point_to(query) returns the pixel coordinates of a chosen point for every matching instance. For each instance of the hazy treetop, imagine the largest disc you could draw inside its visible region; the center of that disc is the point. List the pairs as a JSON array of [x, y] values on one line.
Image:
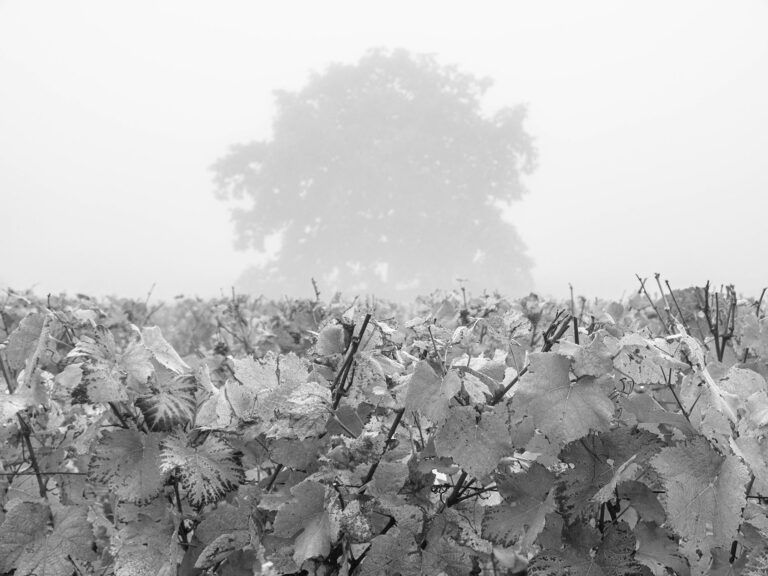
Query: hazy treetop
[[384, 176]]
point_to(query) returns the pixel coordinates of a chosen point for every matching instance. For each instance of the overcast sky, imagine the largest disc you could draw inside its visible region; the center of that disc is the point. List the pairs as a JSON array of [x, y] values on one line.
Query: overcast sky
[[651, 120]]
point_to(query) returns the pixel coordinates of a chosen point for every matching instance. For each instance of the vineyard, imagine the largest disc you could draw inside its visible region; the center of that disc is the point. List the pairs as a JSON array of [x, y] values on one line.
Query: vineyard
[[457, 435]]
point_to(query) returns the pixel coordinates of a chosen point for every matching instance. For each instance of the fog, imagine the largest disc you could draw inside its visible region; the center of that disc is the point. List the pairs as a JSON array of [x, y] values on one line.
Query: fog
[[649, 120]]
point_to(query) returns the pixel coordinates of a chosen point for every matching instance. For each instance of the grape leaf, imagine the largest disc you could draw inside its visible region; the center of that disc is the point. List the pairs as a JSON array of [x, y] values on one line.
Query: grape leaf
[[222, 547], [563, 410], [614, 556], [306, 514], [593, 461], [163, 352], [145, 547], [658, 549], [519, 522], [207, 471], [446, 551], [107, 375], [592, 359], [23, 340], [171, 401], [705, 492], [53, 553], [753, 449], [428, 394], [475, 443], [330, 340], [624, 472], [528, 498], [24, 524], [303, 414], [395, 552], [225, 518], [129, 463]]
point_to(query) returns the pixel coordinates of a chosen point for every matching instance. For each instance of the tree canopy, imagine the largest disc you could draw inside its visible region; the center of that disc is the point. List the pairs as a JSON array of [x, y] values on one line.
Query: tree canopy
[[385, 177]]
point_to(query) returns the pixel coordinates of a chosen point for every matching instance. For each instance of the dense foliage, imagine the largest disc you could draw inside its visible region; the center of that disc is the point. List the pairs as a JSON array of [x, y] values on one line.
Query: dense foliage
[[457, 436], [372, 165]]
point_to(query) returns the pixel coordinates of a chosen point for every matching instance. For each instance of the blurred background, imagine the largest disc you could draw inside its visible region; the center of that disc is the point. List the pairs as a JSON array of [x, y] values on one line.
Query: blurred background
[[636, 135]]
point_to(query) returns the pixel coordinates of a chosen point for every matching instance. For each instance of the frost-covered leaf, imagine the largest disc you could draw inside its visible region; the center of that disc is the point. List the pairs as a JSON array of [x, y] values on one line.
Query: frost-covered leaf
[[647, 410], [24, 524], [747, 394], [171, 401], [705, 492], [128, 461], [146, 547], [757, 564], [477, 390], [447, 550], [753, 449], [207, 471], [751, 333], [53, 553], [563, 410], [593, 462], [12, 404], [658, 549], [306, 518], [519, 522], [162, 351], [614, 556], [222, 547], [23, 340], [107, 375], [475, 443], [304, 413], [330, 340], [623, 473], [395, 552], [429, 394], [591, 359], [262, 388]]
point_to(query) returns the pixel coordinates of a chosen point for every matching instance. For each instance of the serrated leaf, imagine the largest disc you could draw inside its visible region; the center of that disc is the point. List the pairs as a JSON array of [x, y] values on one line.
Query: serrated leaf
[[23, 340], [306, 518], [658, 549], [475, 443], [519, 522], [705, 492], [108, 375], [753, 449], [428, 394], [145, 547], [128, 461], [304, 413], [331, 340], [222, 547], [592, 359], [207, 471], [592, 464], [53, 554], [162, 351], [563, 410], [24, 524], [171, 401], [614, 556], [623, 473], [395, 552]]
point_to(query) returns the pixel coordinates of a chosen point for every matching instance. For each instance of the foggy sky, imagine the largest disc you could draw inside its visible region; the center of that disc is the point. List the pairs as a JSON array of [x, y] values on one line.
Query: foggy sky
[[649, 118]]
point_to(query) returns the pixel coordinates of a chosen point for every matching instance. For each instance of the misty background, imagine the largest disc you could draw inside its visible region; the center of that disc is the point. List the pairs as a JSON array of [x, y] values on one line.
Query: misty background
[[649, 121]]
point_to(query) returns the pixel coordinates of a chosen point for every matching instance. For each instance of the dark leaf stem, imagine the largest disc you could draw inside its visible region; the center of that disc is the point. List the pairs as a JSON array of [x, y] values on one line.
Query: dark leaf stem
[[341, 378], [372, 470]]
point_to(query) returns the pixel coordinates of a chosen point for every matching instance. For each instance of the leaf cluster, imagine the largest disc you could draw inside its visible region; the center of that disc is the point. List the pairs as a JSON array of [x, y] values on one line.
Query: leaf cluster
[[460, 436]]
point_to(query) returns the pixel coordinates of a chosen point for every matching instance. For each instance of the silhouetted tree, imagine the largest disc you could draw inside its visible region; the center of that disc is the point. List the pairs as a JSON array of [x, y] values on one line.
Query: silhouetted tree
[[385, 177]]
